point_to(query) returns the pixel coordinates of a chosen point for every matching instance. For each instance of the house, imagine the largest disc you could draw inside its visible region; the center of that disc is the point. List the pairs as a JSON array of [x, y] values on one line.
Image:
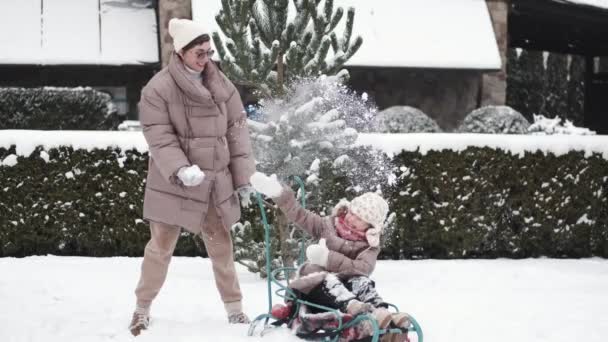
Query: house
[[446, 57], [450, 57], [440, 56], [110, 45]]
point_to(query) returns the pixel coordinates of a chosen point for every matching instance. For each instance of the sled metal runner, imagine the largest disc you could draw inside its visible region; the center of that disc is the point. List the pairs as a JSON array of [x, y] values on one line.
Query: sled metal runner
[[267, 319]]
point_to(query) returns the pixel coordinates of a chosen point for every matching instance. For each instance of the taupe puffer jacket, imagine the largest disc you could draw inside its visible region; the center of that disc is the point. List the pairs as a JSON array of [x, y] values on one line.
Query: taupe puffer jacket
[[184, 123]]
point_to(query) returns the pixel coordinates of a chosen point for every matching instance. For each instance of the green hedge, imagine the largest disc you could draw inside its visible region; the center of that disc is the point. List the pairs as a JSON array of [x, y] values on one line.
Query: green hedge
[[478, 203], [79, 203], [56, 108], [495, 204]]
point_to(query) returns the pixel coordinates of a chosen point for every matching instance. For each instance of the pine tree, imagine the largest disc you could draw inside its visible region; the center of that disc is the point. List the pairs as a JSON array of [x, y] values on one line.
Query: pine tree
[[249, 250], [298, 131], [556, 90], [515, 85], [265, 49], [300, 135], [533, 82], [303, 118], [576, 91]]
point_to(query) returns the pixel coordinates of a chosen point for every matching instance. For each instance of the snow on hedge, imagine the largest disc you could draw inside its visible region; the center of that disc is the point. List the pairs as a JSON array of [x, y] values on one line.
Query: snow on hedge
[[515, 143], [27, 140]]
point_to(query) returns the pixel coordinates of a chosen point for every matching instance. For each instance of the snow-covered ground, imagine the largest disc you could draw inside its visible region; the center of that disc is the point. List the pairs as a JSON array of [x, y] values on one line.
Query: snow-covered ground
[[64, 299]]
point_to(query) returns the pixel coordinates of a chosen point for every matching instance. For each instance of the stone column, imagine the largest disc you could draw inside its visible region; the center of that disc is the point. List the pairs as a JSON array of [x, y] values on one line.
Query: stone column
[[494, 84], [168, 9]]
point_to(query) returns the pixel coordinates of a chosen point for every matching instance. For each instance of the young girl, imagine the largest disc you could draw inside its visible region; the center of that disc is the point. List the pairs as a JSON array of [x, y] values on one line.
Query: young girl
[[338, 268]]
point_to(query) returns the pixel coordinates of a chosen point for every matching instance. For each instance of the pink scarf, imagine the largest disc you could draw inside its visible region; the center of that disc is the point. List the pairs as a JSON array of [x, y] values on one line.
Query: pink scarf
[[348, 233]]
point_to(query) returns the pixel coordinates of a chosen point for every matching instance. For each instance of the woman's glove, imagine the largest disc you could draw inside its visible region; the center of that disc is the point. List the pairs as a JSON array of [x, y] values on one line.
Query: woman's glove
[[245, 192], [190, 175], [318, 253], [269, 186]]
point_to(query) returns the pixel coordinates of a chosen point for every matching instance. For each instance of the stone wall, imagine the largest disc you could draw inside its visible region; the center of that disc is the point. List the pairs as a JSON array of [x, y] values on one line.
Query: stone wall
[[494, 84], [168, 9]]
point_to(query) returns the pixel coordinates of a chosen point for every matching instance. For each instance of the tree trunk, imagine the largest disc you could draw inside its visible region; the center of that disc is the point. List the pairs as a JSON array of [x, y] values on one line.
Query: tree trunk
[[280, 73], [287, 255], [168, 9]]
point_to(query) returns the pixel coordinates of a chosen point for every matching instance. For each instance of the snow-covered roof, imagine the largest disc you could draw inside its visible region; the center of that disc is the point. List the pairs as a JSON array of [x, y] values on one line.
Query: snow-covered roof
[[594, 3], [456, 34], [424, 33], [110, 32]]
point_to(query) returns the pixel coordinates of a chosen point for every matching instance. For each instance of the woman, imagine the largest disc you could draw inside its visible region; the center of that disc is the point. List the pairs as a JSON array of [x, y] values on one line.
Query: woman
[[200, 157]]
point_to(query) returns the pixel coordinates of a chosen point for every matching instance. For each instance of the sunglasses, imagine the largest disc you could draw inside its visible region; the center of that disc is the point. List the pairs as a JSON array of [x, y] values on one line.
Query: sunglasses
[[200, 55]]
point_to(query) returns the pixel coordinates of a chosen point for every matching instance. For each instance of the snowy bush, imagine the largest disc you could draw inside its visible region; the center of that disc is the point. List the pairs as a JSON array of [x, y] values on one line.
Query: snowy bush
[[404, 119], [546, 126], [494, 119], [75, 202], [52, 108]]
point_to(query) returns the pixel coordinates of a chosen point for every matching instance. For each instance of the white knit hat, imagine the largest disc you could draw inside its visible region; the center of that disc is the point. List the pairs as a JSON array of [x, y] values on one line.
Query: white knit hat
[[371, 208], [183, 31]]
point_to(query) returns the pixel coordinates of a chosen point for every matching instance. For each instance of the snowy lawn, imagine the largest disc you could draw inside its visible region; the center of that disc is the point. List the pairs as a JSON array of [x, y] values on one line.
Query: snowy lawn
[[61, 299]]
